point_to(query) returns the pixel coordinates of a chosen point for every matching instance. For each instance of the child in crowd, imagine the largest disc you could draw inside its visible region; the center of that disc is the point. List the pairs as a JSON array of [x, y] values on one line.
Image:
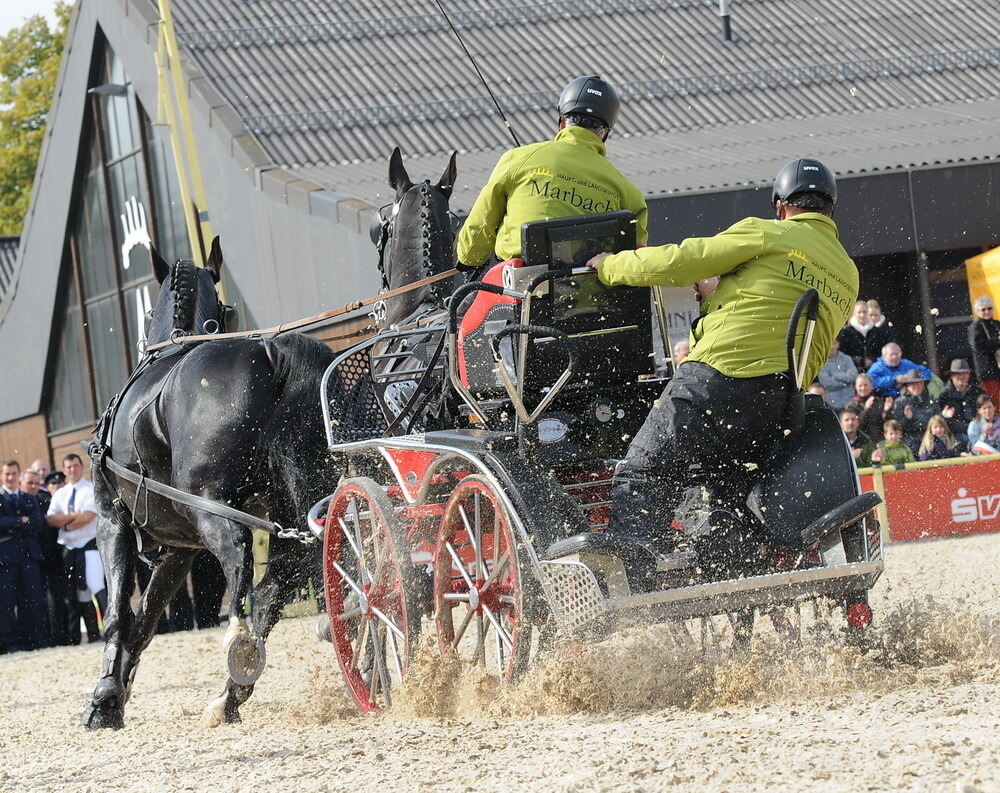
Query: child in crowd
[[939, 443], [875, 409], [984, 430], [892, 451]]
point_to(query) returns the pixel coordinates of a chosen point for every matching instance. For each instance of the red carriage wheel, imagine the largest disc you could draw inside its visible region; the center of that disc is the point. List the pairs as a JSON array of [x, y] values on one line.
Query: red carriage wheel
[[481, 605], [374, 617]]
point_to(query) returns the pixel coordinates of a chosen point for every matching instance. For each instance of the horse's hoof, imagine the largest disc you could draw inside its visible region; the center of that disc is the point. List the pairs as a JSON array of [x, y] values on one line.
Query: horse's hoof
[[323, 628], [214, 713], [246, 659], [107, 707], [106, 716]]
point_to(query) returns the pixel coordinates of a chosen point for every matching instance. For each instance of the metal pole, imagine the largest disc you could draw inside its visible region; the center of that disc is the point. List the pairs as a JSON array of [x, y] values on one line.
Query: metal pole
[[929, 325], [727, 30], [173, 99], [923, 286]]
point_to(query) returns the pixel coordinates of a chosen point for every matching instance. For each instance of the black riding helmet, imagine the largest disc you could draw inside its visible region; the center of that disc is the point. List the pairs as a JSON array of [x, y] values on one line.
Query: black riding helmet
[[804, 175], [591, 96]]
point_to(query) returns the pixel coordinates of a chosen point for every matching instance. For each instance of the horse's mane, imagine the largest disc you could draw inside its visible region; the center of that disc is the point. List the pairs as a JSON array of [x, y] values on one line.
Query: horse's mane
[[184, 286]]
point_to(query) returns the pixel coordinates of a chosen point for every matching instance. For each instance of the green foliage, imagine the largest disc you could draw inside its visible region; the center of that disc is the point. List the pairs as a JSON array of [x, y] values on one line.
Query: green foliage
[[29, 63]]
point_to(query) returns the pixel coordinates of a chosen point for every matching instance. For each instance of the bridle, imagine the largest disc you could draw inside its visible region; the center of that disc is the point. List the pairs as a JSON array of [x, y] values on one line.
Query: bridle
[[382, 229], [228, 316]]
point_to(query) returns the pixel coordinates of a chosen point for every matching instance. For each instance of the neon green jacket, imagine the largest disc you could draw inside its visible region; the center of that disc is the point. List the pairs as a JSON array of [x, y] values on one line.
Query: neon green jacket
[[764, 267], [559, 178]]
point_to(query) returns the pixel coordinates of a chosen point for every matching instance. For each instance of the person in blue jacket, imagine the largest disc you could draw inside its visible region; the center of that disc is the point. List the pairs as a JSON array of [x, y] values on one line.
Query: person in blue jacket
[[889, 371], [23, 609]]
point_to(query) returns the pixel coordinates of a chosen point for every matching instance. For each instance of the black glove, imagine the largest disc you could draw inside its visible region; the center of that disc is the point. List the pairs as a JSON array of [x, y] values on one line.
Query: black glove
[[466, 268]]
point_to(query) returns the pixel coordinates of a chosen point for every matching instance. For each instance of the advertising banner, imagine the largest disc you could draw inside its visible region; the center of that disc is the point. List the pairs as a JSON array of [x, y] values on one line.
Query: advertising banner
[[942, 501]]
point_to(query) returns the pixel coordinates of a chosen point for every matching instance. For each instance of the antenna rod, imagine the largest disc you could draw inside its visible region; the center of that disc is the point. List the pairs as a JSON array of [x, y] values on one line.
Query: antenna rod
[[475, 66]]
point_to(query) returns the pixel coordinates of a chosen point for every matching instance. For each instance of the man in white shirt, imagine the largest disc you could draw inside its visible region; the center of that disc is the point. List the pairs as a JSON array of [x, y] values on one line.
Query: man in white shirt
[[74, 512]]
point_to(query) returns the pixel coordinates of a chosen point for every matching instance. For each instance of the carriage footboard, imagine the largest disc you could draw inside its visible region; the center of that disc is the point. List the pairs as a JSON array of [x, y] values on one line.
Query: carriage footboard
[[576, 598]]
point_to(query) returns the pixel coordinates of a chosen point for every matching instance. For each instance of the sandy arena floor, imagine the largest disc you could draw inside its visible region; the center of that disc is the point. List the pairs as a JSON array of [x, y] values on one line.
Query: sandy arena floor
[[922, 714]]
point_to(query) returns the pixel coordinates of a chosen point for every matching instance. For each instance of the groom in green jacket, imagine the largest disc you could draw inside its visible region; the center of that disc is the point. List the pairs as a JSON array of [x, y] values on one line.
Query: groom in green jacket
[[723, 411]]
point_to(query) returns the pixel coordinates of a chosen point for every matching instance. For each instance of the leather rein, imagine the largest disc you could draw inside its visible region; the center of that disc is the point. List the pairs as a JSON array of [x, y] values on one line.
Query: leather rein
[[286, 327]]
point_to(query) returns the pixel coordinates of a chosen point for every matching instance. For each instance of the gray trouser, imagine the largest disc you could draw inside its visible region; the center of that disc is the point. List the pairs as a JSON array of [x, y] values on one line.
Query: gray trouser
[[706, 429]]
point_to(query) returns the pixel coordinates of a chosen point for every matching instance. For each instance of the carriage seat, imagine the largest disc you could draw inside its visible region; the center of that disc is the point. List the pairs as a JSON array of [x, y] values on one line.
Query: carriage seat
[[475, 359]]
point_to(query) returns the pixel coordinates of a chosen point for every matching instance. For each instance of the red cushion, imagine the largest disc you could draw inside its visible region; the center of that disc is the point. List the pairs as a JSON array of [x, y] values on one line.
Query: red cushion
[[480, 309]]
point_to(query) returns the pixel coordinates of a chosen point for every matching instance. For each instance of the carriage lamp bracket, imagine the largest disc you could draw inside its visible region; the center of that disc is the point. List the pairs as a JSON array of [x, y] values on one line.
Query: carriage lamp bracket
[[454, 303], [539, 331]]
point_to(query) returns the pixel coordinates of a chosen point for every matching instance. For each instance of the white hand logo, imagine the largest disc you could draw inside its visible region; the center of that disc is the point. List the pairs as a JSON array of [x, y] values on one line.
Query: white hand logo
[[136, 231]]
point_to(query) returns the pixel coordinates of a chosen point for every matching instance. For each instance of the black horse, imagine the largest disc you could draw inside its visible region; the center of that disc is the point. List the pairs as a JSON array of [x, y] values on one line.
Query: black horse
[[233, 420], [416, 239]]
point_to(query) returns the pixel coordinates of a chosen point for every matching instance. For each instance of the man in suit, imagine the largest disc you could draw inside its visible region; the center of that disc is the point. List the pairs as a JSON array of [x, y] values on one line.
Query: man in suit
[[52, 561], [23, 611]]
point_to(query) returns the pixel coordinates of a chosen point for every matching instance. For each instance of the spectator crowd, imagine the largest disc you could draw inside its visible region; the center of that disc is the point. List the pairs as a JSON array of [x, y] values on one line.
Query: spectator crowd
[[52, 583], [894, 410]]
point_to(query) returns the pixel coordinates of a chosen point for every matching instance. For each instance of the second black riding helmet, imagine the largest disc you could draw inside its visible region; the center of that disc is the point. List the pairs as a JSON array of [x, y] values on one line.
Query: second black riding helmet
[[804, 175], [591, 96]]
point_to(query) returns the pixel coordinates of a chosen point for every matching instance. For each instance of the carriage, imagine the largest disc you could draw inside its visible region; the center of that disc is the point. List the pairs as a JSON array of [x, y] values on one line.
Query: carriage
[[491, 531]]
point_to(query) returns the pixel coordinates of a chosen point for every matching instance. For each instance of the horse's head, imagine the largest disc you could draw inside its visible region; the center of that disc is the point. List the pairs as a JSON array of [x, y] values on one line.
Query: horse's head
[[188, 303], [415, 235]]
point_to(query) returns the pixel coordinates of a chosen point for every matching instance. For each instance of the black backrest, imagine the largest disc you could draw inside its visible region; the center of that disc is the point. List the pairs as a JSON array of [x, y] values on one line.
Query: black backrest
[[611, 326]]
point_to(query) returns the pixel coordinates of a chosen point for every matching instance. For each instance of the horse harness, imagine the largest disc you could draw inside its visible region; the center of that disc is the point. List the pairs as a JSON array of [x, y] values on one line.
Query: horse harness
[[100, 454]]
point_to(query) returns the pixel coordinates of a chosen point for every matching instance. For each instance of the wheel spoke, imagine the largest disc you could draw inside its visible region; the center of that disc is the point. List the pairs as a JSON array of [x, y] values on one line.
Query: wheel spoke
[[466, 621], [480, 640], [347, 535], [359, 646], [380, 667], [395, 655], [348, 579], [472, 530], [388, 622], [498, 628], [497, 569], [458, 562], [500, 662]]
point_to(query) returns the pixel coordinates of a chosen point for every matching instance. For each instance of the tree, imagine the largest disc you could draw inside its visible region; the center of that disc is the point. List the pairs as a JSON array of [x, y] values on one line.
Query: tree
[[29, 63]]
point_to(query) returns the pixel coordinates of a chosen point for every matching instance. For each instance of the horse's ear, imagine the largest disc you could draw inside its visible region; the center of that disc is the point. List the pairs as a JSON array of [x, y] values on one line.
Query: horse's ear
[[447, 181], [214, 263], [160, 268], [399, 179]]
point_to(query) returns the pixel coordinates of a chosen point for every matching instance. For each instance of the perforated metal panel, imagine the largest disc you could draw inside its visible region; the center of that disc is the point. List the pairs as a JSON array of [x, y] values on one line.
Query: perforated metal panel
[[573, 593]]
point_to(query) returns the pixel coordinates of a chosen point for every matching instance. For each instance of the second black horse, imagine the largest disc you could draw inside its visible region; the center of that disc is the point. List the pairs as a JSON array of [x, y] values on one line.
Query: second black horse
[[234, 420]]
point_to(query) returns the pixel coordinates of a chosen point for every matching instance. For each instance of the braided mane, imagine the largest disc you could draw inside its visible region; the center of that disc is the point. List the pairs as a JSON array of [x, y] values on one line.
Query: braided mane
[[184, 287]]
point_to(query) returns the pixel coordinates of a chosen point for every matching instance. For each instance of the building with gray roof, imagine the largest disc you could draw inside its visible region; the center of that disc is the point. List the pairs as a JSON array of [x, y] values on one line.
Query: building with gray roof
[[272, 121]]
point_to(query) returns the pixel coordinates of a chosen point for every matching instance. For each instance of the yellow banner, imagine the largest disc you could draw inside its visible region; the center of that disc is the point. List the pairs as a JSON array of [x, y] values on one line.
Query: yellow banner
[[983, 273]]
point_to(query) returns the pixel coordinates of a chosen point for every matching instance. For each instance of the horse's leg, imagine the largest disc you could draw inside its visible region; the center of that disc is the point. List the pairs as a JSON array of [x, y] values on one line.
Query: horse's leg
[[118, 551], [285, 573], [169, 572], [232, 545]]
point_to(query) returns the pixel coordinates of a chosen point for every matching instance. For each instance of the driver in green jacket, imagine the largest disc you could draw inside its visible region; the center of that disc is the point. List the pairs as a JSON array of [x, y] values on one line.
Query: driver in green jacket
[[563, 177], [727, 405]]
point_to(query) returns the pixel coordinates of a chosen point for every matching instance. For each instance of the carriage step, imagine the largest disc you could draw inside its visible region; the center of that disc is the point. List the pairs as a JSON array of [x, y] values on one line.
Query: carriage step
[[636, 560], [839, 517]]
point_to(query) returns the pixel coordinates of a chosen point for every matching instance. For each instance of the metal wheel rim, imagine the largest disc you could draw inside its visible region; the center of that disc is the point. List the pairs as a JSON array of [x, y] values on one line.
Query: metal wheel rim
[[485, 630], [371, 639]]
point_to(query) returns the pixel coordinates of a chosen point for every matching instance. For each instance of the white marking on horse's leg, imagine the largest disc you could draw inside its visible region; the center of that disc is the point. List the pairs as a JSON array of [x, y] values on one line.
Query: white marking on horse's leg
[[236, 627], [214, 714]]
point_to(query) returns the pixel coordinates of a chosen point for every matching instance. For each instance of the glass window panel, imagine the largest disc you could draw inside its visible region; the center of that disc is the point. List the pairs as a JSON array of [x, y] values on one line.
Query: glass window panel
[[107, 347], [128, 182], [171, 236], [121, 131], [94, 233], [70, 402]]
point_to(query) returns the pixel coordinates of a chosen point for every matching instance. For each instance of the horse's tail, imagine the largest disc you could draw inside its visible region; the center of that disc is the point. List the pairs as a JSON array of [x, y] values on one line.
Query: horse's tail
[[300, 466]]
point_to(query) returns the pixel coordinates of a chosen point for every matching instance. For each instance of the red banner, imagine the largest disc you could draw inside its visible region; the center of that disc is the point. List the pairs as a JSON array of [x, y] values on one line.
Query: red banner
[[940, 502]]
